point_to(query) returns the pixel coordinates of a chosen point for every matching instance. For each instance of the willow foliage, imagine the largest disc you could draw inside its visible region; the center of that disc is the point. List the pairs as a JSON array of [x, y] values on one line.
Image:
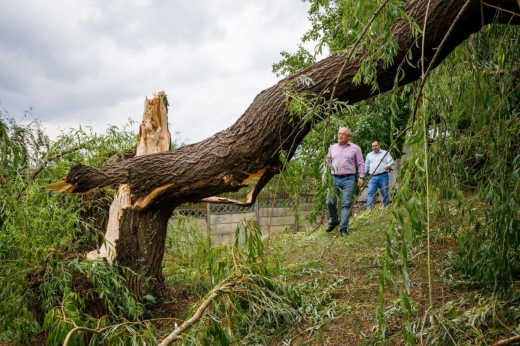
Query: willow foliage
[[463, 159], [469, 123], [39, 231], [471, 114], [475, 120]]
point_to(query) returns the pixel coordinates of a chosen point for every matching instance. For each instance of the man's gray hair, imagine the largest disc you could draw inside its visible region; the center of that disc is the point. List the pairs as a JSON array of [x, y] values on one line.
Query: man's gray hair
[[349, 131]]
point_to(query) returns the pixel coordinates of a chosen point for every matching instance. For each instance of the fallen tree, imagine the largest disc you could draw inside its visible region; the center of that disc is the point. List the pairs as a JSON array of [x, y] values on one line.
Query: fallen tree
[[251, 148]]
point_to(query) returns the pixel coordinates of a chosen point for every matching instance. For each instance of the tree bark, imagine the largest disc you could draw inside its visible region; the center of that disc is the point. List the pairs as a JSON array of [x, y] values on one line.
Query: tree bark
[[252, 146], [134, 249], [140, 247], [154, 137]]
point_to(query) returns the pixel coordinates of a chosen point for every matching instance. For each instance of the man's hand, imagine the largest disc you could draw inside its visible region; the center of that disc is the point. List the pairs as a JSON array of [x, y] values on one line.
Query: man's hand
[[360, 182]]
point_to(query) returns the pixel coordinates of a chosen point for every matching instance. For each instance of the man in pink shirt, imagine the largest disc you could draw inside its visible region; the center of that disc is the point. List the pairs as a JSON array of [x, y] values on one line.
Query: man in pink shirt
[[344, 159]]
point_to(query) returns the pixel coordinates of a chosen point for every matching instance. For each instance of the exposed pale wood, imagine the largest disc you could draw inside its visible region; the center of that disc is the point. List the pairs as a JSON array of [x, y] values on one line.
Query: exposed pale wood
[[107, 250], [222, 200], [142, 202], [60, 187], [154, 137]]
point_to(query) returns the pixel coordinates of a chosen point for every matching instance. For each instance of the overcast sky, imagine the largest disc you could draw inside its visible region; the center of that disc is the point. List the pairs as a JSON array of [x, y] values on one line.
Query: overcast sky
[[93, 62]]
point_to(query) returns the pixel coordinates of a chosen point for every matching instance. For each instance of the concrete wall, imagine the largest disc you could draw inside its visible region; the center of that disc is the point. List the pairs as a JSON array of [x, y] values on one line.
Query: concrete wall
[[271, 219], [224, 225], [274, 220]]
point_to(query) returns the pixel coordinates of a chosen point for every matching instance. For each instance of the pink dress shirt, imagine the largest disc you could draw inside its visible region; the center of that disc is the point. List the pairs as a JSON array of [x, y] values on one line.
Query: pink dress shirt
[[345, 159]]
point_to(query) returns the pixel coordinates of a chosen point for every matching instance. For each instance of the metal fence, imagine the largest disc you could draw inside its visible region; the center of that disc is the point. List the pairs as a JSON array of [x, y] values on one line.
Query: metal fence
[[202, 210]]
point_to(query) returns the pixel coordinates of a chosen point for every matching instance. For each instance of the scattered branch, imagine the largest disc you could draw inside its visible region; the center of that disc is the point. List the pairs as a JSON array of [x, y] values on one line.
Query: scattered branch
[[77, 329], [502, 9], [50, 158], [175, 335], [501, 72], [511, 339]]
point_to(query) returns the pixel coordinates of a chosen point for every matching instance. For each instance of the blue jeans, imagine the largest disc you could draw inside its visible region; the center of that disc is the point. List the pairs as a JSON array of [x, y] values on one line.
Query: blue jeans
[[345, 188], [378, 182]]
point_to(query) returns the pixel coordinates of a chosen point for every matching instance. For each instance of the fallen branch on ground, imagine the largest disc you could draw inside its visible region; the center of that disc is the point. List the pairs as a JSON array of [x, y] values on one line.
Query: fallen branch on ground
[[175, 335], [506, 341]]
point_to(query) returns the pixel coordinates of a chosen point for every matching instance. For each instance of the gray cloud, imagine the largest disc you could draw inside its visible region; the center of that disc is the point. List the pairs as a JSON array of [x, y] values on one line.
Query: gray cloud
[[92, 63]]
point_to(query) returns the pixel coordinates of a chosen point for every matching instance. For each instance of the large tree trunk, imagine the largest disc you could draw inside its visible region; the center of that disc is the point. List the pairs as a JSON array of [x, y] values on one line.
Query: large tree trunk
[[251, 147], [133, 248], [140, 246], [154, 137]]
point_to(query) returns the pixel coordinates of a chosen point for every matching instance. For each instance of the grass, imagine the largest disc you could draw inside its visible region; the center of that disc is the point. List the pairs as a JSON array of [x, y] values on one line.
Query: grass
[[338, 281], [349, 267]]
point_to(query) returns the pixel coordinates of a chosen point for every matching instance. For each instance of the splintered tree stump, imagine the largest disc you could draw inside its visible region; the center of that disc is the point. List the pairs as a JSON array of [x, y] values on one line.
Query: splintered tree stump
[[154, 137]]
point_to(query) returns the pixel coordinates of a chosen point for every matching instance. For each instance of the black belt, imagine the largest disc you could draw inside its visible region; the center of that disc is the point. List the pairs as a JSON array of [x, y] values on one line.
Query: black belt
[[344, 175], [378, 174]]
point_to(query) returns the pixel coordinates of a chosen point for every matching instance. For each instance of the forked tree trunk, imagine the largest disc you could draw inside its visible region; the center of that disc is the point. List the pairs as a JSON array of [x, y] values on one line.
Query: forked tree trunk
[[132, 245], [251, 147], [154, 137]]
